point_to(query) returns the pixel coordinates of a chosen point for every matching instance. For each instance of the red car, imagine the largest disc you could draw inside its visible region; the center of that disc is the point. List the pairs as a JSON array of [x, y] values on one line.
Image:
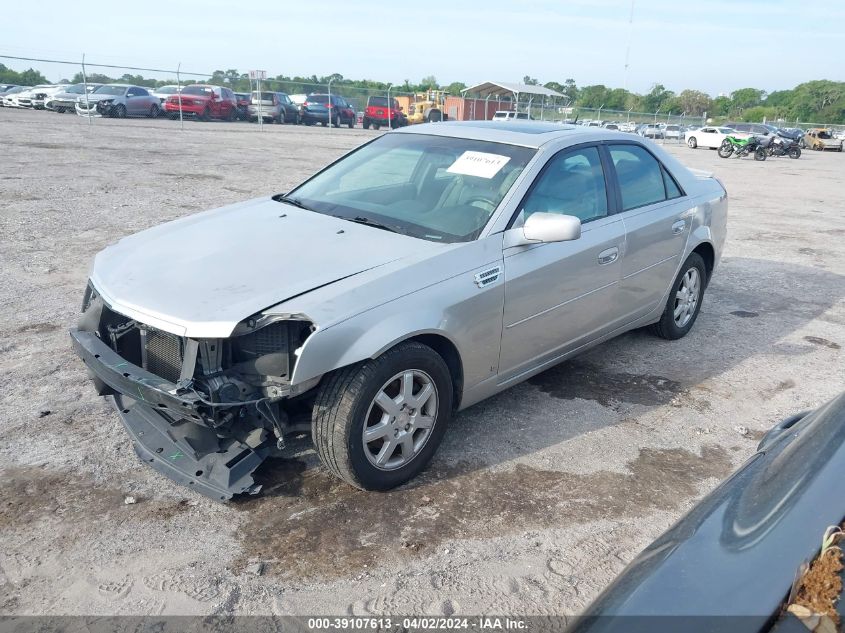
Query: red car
[[378, 114], [203, 102]]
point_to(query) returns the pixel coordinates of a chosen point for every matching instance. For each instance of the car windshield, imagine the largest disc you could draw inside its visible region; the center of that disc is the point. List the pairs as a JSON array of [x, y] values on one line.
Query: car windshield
[[110, 90], [435, 188], [824, 134], [75, 89], [197, 90], [166, 90]]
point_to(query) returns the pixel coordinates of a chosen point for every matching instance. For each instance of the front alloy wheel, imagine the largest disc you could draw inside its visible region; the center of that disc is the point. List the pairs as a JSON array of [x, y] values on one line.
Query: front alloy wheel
[[377, 424], [400, 419]]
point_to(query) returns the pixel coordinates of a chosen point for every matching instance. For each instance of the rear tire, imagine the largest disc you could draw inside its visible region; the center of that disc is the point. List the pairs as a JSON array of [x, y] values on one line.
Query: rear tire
[[682, 306], [794, 152], [760, 153], [692, 142], [348, 402]]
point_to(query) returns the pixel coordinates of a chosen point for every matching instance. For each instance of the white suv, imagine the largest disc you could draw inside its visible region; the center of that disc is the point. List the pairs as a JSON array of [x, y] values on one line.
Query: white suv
[[510, 115]]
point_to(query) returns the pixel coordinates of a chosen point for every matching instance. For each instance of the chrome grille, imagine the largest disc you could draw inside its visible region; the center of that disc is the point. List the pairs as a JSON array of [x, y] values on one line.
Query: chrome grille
[[164, 354]]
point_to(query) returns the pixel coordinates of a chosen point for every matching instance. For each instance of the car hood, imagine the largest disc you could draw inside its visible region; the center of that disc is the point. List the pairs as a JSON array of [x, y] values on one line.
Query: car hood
[[201, 275]]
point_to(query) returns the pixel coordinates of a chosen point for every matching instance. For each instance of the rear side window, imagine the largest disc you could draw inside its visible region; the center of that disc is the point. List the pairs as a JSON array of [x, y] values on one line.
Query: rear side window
[[672, 189], [640, 176]]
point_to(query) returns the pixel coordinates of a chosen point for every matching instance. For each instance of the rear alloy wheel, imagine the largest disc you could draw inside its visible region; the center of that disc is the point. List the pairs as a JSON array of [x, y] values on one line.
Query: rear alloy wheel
[[684, 300], [692, 142], [377, 424]]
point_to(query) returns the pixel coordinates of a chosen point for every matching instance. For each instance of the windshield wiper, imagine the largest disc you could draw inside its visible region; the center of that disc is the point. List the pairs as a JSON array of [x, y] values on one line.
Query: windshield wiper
[[362, 220], [294, 201]]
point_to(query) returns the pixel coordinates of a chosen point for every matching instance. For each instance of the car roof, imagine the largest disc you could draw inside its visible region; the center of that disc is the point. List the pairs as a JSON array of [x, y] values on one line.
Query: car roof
[[525, 133]]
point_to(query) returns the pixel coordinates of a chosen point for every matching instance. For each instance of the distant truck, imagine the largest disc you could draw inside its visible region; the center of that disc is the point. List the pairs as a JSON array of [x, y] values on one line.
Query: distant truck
[[425, 107]]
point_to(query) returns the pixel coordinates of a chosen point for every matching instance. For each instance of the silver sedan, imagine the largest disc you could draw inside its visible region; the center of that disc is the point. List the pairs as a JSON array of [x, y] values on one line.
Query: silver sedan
[[423, 272]]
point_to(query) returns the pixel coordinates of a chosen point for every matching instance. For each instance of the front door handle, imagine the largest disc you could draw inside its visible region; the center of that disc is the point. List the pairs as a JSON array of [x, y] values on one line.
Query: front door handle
[[678, 227], [608, 256]]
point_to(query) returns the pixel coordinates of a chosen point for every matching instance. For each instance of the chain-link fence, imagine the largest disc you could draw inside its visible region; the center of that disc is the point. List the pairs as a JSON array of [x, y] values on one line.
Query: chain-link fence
[[454, 107], [89, 74]]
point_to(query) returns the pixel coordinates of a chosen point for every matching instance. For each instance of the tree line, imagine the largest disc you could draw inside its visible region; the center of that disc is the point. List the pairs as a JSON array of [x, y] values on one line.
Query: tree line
[[818, 100]]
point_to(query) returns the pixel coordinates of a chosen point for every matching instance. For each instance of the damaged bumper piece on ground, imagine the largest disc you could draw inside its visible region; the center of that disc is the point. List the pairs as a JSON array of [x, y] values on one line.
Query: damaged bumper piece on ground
[[196, 410]]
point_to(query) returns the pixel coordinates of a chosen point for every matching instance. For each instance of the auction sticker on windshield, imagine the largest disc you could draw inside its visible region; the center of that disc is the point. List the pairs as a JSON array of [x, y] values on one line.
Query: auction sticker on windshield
[[479, 164]]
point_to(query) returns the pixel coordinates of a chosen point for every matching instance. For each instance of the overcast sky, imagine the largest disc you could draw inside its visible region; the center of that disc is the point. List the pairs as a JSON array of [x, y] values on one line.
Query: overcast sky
[[716, 46]]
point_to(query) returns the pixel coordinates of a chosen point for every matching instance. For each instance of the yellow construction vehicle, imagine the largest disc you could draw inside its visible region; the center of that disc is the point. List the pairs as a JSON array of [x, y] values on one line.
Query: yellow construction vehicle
[[427, 107]]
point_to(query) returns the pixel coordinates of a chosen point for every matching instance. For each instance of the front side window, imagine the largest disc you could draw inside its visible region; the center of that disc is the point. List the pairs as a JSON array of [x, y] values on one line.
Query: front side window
[[639, 174], [440, 189], [572, 183]]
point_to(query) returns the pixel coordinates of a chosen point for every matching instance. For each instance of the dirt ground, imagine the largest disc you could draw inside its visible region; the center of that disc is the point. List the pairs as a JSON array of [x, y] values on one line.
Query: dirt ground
[[537, 497]]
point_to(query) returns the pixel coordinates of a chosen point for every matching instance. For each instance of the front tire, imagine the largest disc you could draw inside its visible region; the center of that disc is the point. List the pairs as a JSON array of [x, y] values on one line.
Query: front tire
[[760, 153], [118, 111], [684, 302], [794, 152], [377, 424], [725, 150]]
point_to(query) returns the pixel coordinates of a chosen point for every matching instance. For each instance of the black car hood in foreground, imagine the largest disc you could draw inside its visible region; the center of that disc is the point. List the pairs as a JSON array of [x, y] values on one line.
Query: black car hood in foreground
[[729, 563]]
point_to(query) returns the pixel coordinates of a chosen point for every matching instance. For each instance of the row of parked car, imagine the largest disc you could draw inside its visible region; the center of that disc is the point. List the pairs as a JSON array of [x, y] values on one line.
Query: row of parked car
[[203, 102], [712, 136]]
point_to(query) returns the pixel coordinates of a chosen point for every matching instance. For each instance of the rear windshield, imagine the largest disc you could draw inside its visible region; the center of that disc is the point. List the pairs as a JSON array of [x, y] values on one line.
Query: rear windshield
[[197, 90], [166, 90], [379, 102], [318, 98], [265, 96]]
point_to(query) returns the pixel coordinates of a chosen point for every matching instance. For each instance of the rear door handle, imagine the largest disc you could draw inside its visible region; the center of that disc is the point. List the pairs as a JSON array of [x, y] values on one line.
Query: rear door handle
[[678, 227], [608, 256]]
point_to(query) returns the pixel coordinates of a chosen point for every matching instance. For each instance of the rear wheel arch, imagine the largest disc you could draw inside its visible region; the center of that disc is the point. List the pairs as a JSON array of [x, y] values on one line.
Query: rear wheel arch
[[706, 251]]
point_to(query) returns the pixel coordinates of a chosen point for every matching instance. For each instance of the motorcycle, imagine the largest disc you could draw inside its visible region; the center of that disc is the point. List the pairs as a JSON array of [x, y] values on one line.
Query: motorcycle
[[740, 147], [781, 146]]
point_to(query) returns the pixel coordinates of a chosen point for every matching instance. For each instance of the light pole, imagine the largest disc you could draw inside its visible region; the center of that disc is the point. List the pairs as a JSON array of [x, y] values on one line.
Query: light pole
[[331, 79], [389, 104]]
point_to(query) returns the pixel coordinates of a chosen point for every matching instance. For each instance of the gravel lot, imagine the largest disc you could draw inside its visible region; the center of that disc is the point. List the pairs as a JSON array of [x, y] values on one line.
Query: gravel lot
[[537, 498]]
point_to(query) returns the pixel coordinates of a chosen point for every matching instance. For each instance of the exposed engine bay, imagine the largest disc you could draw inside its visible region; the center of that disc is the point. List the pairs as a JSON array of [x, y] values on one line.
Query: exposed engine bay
[[235, 393]]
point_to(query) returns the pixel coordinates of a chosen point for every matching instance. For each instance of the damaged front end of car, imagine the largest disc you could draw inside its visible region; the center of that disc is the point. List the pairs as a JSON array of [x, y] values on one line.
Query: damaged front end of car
[[204, 412]]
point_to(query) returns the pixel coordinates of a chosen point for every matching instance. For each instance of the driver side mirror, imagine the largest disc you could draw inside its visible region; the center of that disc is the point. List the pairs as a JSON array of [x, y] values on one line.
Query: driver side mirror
[[545, 227]]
